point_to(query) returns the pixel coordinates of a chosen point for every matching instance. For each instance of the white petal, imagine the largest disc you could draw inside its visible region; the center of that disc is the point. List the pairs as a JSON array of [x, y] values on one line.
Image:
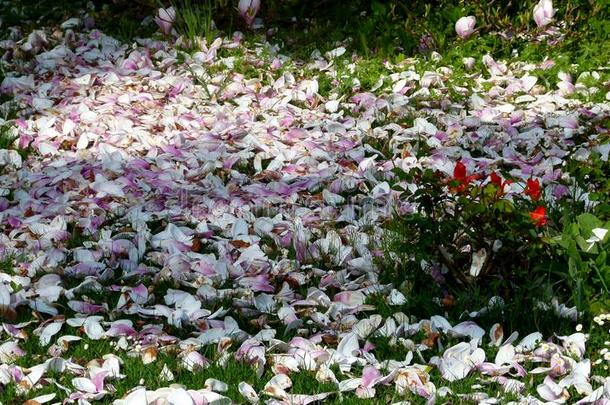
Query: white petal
[[93, 329], [600, 233], [396, 298], [43, 398], [84, 385], [529, 342], [349, 384], [166, 374], [348, 345], [179, 397], [248, 392], [478, 260], [48, 332], [215, 385], [5, 296], [505, 355]]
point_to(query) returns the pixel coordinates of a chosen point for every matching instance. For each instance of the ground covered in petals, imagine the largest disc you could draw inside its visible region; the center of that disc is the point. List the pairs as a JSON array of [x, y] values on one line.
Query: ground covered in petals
[[213, 226]]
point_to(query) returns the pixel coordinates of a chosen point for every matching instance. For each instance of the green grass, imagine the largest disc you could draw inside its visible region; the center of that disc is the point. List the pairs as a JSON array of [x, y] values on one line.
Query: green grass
[[139, 374], [7, 138], [234, 372], [122, 20], [31, 14], [7, 264], [194, 21]]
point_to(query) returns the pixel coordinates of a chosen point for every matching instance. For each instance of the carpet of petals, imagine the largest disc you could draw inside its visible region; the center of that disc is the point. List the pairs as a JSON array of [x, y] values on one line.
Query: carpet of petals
[[173, 205]]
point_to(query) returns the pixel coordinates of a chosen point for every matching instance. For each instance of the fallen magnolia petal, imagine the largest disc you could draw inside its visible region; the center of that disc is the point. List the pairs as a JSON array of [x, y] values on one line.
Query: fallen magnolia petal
[[578, 377], [149, 355], [281, 380], [9, 351], [366, 327], [496, 334], [85, 385], [457, 361], [179, 396], [396, 298], [10, 158], [550, 391], [529, 342], [349, 385], [574, 344], [510, 385], [414, 380], [600, 394], [135, 397], [215, 385], [325, 374], [48, 332], [468, 329], [193, 361], [304, 399], [248, 392], [42, 399], [166, 374], [478, 260]]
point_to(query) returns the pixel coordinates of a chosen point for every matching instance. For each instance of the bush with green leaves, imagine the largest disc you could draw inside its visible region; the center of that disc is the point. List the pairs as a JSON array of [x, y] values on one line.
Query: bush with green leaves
[[472, 231], [465, 231], [584, 244]]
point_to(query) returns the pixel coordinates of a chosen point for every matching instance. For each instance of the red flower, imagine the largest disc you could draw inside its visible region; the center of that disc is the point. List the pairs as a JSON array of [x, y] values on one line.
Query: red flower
[[496, 180], [538, 216], [459, 174], [532, 189]]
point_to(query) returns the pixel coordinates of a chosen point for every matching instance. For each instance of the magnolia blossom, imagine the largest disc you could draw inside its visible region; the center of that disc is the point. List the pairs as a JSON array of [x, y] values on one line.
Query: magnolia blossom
[[248, 9], [165, 19], [543, 13], [464, 27]]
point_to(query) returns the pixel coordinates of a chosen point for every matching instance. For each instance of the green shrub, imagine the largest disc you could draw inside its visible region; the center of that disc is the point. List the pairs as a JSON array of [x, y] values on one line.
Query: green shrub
[[464, 232], [584, 244]]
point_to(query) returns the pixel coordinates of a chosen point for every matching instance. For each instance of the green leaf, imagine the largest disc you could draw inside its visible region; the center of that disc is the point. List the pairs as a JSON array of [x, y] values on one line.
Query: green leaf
[[587, 222], [504, 206], [582, 243], [579, 295], [601, 259], [573, 229], [573, 267]]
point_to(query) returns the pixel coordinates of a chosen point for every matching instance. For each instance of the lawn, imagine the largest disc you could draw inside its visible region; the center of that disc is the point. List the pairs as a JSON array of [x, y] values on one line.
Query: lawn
[[340, 202]]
